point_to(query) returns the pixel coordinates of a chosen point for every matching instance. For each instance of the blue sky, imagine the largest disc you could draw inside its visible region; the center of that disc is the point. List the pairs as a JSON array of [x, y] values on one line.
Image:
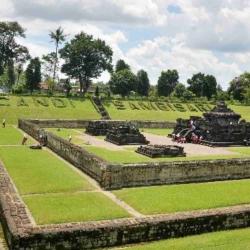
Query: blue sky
[[191, 36]]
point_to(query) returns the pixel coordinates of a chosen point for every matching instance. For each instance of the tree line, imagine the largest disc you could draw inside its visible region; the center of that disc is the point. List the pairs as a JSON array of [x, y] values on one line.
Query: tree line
[[85, 58]]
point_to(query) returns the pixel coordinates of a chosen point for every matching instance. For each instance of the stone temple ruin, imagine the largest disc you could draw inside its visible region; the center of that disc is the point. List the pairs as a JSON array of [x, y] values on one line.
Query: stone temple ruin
[[219, 127], [157, 151], [125, 134], [97, 128]]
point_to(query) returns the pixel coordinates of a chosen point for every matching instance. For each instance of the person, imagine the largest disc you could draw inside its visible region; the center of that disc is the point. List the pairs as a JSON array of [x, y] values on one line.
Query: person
[[25, 138], [4, 123], [70, 138]]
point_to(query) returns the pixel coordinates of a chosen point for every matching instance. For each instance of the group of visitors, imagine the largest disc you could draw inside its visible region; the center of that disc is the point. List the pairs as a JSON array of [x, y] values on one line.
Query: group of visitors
[[194, 138]]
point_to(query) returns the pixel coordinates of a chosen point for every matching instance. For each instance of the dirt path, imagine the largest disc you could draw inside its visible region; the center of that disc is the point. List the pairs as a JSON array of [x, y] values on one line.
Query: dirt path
[[189, 148]]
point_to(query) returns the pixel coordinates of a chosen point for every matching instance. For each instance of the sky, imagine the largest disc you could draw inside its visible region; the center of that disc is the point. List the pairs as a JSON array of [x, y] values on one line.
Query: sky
[[208, 36]]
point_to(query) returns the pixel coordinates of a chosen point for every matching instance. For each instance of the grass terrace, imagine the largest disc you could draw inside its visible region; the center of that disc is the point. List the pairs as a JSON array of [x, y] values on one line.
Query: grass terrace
[[14, 107], [225, 240], [186, 197], [12, 136], [46, 181], [160, 111]]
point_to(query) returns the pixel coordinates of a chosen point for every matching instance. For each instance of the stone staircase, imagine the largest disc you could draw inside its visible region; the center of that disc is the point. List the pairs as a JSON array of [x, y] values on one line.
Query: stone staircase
[[3, 245], [100, 108]]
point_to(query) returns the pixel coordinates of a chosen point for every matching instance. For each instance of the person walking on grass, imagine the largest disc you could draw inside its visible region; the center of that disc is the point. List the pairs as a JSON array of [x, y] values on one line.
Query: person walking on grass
[[25, 138], [4, 123]]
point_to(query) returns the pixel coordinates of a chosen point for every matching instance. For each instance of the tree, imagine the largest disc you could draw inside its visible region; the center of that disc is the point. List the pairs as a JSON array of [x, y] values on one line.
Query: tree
[[10, 51], [48, 62], [67, 87], [97, 91], [11, 73], [33, 74], [167, 82], [202, 85], [239, 85], [58, 37], [123, 82], [143, 84], [179, 90], [86, 58], [121, 65]]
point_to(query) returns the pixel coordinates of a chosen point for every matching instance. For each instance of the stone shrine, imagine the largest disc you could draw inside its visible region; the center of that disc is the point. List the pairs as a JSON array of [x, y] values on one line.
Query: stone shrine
[[125, 134], [157, 151], [219, 127]]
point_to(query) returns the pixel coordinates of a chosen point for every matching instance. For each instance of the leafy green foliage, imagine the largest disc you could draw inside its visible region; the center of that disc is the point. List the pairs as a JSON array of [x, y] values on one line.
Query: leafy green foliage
[[33, 74], [203, 85], [167, 82], [86, 58], [121, 65], [123, 82], [143, 85]]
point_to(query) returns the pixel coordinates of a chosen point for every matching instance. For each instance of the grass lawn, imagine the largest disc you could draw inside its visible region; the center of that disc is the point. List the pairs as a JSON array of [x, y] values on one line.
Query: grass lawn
[[65, 133], [186, 197], [12, 136], [73, 109], [157, 131], [159, 115], [54, 192], [225, 240], [38, 171], [129, 156], [72, 207]]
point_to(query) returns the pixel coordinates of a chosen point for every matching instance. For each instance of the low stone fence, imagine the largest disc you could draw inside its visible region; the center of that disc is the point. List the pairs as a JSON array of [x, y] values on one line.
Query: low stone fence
[[159, 173], [48, 123]]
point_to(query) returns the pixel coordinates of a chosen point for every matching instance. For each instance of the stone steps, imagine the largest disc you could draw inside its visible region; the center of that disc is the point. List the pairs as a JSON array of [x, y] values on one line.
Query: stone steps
[[3, 245]]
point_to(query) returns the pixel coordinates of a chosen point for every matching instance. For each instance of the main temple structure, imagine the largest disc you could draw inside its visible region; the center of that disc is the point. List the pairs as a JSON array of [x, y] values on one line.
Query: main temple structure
[[219, 127]]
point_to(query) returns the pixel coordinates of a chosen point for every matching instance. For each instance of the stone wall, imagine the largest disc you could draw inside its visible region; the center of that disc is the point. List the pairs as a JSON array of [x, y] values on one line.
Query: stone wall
[[132, 175], [45, 123], [22, 234], [79, 157]]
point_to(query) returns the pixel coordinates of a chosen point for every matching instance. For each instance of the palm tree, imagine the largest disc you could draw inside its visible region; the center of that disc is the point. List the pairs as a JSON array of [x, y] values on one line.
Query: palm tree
[[57, 37]]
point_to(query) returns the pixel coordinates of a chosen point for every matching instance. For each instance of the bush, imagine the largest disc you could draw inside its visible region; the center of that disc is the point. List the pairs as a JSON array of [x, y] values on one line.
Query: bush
[[21, 102], [58, 102]]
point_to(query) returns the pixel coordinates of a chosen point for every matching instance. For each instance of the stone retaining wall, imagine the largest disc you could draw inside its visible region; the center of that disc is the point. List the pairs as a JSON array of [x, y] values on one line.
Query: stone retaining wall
[[83, 123], [21, 234], [158, 173]]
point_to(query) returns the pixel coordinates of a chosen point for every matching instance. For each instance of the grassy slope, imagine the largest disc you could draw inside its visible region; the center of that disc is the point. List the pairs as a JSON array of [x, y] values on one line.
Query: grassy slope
[[37, 171], [186, 197], [129, 114], [81, 109], [10, 135], [226, 240]]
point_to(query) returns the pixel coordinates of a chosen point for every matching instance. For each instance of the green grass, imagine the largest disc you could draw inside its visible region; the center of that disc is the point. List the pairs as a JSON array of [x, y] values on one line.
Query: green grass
[[186, 197], [225, 240], [75, 109], [38, 171], [12, 136], [53, 191], [129, 156], [65, 133], [129, 114], [55, 208], [157, 131]]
